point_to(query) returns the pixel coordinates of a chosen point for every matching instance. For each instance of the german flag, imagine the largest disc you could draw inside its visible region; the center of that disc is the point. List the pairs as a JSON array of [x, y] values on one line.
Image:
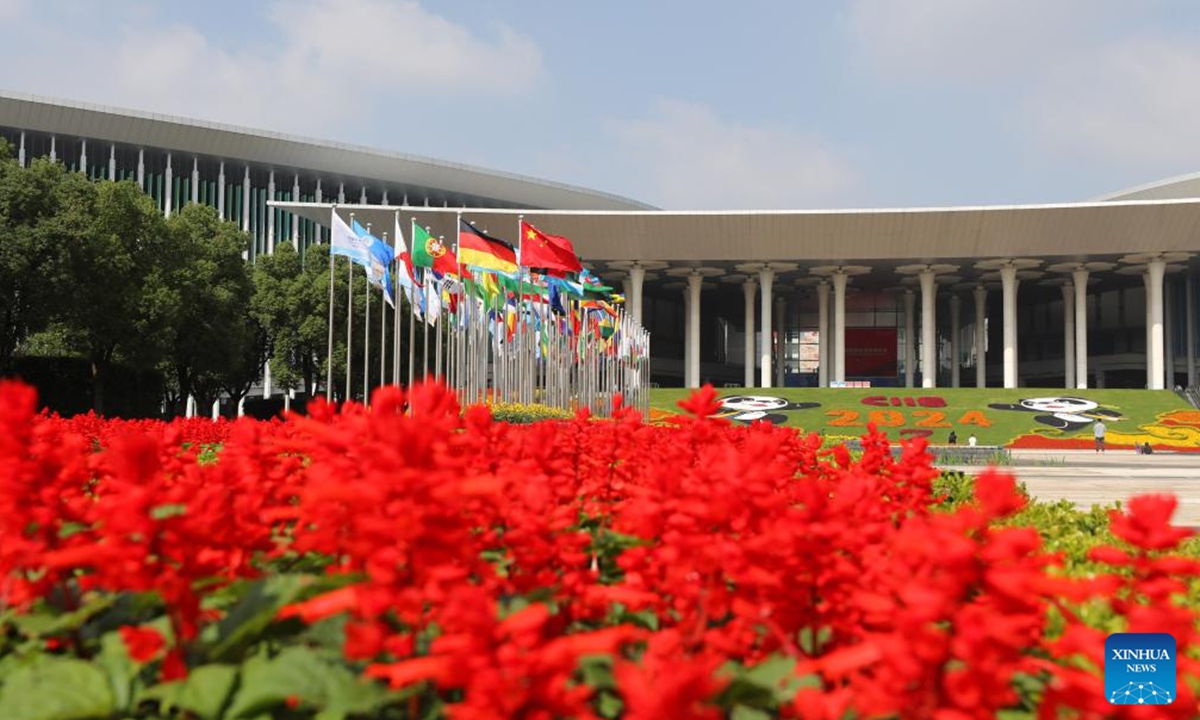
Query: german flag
[[478, 250]]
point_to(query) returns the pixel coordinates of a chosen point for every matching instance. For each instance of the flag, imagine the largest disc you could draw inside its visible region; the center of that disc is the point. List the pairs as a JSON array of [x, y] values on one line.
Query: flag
[[477, 250], [429, 252], [551, 252], [347, 243]]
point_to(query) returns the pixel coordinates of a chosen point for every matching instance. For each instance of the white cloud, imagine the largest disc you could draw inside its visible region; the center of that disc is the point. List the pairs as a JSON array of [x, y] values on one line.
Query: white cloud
[[1136, 106], [326, 63], [683, 155]]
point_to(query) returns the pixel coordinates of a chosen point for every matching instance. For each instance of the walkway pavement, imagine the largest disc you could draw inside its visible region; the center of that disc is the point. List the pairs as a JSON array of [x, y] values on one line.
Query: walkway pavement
[[1086, 477]]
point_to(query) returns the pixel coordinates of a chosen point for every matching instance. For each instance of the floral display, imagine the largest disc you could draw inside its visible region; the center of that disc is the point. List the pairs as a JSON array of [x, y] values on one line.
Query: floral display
[[420, 560]]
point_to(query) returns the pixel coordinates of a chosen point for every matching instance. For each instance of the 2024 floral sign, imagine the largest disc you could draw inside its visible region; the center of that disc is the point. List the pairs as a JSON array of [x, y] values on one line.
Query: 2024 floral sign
[[416, 561]]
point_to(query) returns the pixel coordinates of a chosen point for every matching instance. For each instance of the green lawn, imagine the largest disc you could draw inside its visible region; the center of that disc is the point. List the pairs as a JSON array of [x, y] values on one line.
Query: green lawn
[[1159, 417]]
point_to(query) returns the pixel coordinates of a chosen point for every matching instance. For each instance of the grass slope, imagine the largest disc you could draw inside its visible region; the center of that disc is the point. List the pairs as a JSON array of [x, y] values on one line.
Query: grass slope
[[1160, 417]]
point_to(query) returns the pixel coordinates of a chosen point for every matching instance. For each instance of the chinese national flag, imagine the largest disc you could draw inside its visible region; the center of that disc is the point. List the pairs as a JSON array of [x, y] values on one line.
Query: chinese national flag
[[554, 253]]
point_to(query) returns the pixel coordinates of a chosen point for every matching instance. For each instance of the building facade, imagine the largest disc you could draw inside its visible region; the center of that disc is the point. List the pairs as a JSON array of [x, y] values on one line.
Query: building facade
[[1089, 294]]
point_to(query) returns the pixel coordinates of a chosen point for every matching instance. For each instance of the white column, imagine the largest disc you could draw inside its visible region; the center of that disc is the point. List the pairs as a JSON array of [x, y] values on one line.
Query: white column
[[694, 282], [189, 407], [21, 150], [221, 190], [384, 200], [627, 288], [955, 319], [216, 410], [929, 361], [687, 337], [1155, 272], [1168, 336], [83, 168], [1149, 342], [241, 408], [1068, 299], [1080, 278], [980, 337], [823, 337], [168, 191], [839, 326], [780, 332], [271, 214], [362, 198], [141, 170], [910, 337], [53, 150], [637, 275], [296, 218], [246, 201], [1008, 280], [342, 194], [766, 278], [749, 288], [195, 181], [1190, 319], [112, 162], [267, 390]]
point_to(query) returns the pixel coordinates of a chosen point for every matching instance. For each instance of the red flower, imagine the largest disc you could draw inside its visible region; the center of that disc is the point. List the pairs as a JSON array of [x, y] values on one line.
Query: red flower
[[1147, 524], [142, 643]]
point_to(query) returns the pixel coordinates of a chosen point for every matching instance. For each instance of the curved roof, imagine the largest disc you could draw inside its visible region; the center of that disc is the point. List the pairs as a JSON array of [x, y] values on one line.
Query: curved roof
[[271, 149], [1182, 186], [1070, 231]]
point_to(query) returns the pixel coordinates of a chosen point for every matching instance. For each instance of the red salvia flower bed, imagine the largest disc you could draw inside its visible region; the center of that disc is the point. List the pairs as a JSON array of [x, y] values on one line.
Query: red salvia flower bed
[[577, 568]]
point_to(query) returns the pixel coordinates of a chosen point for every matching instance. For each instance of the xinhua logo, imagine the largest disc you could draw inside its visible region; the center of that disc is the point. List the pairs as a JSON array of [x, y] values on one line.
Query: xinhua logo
[[1139, 669]]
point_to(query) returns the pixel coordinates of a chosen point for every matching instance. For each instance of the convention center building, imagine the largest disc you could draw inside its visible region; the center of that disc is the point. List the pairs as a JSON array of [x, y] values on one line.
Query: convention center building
[[1097, 293]]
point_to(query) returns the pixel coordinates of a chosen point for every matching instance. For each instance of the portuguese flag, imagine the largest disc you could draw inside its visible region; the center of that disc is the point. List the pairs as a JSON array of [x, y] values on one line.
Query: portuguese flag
[[429, 252], [477, 250]]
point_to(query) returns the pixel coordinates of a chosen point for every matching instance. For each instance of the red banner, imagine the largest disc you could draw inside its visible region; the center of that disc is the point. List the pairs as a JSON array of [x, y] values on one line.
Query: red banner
[[871, 352]]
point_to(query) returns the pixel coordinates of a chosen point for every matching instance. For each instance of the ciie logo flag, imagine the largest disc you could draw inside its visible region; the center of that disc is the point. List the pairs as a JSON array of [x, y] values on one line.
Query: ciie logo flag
[[1139, 668]]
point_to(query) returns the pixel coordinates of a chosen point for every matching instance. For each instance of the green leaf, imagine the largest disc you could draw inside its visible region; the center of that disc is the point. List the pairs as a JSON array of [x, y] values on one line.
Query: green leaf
[[204, 693], [299, 673], [45, 623], [53, 688], [119, 668], [162, 512], [741, 712], [254, 614], [766, 685]]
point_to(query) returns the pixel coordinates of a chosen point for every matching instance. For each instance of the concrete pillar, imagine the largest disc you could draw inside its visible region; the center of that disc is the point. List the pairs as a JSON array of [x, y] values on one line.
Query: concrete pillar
[[189, 407], [246, 201], [780, 334], [955, 326], [1155, 270], [53, 149], [1149, 342], [980, 337], [168, 190], [342, 194], [216, 410], [21, 150], [295, 218], [910, 337], [221, 190], [1068, 300], [141, 169], [687, 338], [766, 278], [83, 168], [195, 181], [749, 288], [112, 162], [839, 326], [1190, 319], [1008, 280], [362, 198], [637, 276], [929, 362], [823, 338], [267, 389], [271, 216], [384, 199], [1080, 278], [1168, 336]]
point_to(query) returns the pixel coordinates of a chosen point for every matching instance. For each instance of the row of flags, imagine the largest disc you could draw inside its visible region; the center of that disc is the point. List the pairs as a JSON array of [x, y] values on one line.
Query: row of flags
[[508, 281]]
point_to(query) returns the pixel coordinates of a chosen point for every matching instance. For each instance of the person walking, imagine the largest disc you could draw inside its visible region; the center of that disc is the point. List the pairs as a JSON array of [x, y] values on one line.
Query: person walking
[[1098, 431]]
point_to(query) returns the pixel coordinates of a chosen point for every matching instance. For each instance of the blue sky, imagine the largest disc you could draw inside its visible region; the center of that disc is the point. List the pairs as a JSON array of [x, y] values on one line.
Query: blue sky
[[681, 104]]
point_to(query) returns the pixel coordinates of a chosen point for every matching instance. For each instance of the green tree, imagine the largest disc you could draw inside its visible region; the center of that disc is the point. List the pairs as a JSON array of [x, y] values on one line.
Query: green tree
[[118, 303], [291, 304], [203, 297], [34, 268]]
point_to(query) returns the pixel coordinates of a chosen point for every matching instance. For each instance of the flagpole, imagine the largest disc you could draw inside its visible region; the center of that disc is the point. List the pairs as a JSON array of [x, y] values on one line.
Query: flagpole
[[367, 334], [349, 318], [383, 323], [329, 352], [412, 324], [397, 319]]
